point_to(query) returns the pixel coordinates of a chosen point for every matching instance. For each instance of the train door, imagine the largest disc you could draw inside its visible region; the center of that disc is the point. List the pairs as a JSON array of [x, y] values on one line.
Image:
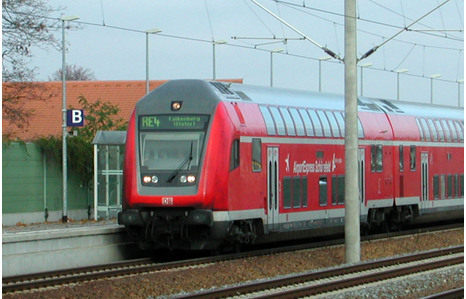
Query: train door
[[361, 175], [424, 179], [272, 187]]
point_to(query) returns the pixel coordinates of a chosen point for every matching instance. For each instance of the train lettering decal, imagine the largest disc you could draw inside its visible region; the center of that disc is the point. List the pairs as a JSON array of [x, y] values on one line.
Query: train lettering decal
[[317, 167], [173, 122], [167, 201]]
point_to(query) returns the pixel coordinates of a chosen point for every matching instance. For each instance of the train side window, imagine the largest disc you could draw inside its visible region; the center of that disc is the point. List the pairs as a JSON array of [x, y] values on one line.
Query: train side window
[[323, 191], [234, 158], [460, 130], [421, 130], [297, 192], [269, 124], [426, 129], [436, 186], [304, 191], [298, 122], [449, 186], [377, 158], [412, 157], [454, 134], [442, 186], [316, 122], [307, 123], [446, 129], [360, 129], [338, 189], [333, 124], [325, 123], [461, 186], [256, 155], [287, 192], [433, 130], [278, 121], [341, 122], [402, 158], [441, 135], [288, 121]]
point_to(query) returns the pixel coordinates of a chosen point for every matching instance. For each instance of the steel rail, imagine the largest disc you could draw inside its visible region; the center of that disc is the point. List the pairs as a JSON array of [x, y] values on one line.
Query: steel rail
[[334, 285], [44, 279]]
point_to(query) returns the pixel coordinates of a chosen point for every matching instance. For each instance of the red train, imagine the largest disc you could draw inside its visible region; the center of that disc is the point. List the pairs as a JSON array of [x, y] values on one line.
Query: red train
[[212, 163]]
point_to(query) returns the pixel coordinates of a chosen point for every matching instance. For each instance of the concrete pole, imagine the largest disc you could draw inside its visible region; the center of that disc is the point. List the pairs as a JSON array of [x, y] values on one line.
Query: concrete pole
[[147, 62], [64, 132], [352, 205]]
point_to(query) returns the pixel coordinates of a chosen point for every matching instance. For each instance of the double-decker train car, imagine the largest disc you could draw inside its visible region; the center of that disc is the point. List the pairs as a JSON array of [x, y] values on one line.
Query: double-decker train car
[[212, 163]]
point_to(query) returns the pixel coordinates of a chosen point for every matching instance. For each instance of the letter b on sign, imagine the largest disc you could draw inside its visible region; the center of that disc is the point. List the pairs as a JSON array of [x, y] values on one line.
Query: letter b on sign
[[75, 118]]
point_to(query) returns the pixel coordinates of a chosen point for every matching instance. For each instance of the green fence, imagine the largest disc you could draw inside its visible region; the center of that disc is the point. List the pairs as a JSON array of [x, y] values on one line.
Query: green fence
[[32, 187]]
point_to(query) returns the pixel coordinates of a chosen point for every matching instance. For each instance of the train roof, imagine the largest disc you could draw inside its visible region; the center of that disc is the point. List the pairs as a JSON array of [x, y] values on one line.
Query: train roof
[[300, 98], [215, 91]]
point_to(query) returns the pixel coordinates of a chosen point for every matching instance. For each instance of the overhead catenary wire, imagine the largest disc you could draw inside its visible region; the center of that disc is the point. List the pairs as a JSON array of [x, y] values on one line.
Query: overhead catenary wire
[[164, 35], [325, 49], [374, 49]]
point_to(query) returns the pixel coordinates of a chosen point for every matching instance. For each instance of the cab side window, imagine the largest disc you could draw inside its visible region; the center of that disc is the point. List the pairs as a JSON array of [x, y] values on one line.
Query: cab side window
[[234, 157]]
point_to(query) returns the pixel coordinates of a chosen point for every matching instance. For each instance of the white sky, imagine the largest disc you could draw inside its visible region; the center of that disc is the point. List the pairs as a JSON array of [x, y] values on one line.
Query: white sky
[[120, 55]]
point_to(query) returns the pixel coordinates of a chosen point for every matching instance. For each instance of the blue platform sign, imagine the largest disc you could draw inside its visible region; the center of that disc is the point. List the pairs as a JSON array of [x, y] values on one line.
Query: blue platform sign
[[74, 118]]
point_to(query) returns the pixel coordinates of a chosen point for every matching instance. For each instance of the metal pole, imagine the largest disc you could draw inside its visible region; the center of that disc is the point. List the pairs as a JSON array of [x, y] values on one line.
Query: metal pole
[[271, 69], [320, 75], [459, 92], [213, 63], [398, 86], [147, 62], [431, 90], [352, 205], [64, 133]]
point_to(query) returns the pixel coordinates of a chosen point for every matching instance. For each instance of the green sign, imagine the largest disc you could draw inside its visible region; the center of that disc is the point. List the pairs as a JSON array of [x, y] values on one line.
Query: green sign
[[173, 122]]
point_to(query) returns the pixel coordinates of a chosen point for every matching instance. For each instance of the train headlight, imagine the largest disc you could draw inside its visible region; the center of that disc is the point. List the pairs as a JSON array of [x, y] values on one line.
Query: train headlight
[[155, 179], [183, 179], [146, 179], [191, 179]]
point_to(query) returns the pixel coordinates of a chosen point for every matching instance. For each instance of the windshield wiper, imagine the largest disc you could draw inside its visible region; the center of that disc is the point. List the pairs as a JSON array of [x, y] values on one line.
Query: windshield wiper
[[185, 161]]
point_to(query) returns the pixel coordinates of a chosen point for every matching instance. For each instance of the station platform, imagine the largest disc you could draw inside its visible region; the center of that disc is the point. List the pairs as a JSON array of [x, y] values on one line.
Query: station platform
[[49, 246]]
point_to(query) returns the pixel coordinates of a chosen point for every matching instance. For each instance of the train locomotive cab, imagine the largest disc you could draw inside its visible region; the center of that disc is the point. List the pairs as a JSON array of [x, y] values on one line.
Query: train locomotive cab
[[168, 196]]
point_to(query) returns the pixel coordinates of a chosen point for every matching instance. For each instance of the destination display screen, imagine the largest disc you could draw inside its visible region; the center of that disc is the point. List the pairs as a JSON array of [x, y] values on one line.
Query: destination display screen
[[173, 122]]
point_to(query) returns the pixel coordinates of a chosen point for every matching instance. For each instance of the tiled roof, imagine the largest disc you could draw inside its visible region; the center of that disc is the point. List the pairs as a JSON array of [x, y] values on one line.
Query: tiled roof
[[46, 116]]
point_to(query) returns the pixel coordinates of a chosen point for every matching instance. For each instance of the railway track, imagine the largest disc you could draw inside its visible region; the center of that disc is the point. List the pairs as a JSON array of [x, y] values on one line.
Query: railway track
[[320, 282], [147, 265]]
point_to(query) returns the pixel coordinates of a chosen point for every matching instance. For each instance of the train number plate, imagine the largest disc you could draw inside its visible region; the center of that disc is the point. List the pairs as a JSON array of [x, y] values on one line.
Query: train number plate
[[167, 201]]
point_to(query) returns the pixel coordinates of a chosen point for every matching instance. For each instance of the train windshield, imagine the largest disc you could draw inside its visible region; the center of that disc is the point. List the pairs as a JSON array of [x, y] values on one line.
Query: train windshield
[[171, 150], [171, 142]]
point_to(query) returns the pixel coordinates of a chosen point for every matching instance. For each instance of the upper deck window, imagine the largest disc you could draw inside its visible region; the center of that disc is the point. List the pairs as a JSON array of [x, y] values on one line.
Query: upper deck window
[[325, 123], [288, 121], [278, 121], [317, 124], [307, 123], [333, 124], [425, 128], [298, 122], [433, 130], [453, 130], [269, 123]]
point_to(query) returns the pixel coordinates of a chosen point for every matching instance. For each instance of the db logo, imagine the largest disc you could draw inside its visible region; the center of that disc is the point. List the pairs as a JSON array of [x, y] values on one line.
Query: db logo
[[167, 201]]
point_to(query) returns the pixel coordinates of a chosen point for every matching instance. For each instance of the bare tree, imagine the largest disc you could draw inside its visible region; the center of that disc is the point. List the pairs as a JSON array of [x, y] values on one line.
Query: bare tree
[[73, 73], [25, 24]]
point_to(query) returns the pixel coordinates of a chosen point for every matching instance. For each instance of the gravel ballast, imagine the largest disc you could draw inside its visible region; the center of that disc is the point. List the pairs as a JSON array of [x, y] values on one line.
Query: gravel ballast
[[171, 282]]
